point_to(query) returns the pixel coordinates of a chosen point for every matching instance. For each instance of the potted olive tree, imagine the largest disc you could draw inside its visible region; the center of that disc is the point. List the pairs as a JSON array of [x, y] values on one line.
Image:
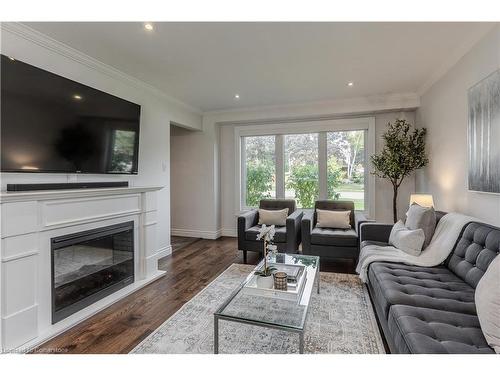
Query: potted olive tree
[[403, 153]]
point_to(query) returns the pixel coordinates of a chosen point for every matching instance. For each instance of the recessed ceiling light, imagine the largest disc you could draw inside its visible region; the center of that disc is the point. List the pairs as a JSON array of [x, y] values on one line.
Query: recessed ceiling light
[[236, 96], [13, 59], [148, 26], [77, 97], [350, 84]]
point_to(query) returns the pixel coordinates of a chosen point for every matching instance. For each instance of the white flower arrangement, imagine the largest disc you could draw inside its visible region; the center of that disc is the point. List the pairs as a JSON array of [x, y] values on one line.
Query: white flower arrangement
[[266, 233], [272, 248]]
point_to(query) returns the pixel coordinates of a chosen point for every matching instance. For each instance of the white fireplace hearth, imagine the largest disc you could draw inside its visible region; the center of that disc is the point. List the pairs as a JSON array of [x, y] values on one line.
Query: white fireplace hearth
[[29, 220]]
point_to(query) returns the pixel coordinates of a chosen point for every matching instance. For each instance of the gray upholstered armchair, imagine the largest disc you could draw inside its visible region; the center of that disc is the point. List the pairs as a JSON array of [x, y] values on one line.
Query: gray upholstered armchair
[[331, 243], [287, 238]]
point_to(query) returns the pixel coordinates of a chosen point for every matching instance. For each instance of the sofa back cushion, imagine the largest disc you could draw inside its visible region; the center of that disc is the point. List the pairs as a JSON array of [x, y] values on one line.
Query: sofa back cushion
[[278, 204], [475, 249], [334, 205]]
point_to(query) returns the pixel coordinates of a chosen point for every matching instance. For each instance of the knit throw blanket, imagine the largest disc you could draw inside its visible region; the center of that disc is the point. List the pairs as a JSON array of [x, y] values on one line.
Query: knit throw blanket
[[441, 245]]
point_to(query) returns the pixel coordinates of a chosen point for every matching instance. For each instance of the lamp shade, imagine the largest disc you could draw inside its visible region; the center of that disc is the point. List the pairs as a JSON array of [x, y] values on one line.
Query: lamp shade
[[424, 200]]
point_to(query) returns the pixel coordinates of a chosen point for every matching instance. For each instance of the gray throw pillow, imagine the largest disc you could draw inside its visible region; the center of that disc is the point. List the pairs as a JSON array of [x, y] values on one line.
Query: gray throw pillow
[[424, 218], [404, 239]]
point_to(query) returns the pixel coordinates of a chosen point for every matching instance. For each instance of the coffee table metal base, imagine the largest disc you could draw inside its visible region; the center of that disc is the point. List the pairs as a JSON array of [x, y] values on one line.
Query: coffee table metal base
[[260, 324]]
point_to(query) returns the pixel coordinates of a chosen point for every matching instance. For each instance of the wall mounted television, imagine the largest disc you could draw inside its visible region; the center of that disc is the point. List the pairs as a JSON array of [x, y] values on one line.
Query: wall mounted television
[[55, 125]]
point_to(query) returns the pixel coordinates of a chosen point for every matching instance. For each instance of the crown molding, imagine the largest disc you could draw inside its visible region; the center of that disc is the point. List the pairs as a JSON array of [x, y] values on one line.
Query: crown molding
[[62, 49], [454, 57], [366, 104]]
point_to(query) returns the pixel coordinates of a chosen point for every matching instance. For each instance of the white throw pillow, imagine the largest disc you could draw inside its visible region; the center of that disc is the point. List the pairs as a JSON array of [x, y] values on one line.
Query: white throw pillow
[[273, 217], [333, 219], [407, 240], [487, 300]]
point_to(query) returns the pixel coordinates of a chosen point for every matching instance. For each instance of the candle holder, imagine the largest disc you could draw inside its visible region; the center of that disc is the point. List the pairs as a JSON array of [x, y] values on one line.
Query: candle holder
[[280, 280]]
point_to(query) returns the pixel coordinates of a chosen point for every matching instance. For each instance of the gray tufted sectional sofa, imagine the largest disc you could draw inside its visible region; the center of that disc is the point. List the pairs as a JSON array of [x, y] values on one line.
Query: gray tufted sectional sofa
[[432, 309]]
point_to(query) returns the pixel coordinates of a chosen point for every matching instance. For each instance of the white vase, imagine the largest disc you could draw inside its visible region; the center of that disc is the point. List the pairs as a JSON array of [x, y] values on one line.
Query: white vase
[[265, 282]]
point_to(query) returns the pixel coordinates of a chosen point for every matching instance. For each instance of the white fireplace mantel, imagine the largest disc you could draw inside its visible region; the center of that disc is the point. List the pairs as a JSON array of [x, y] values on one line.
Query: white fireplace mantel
[[30, 219]]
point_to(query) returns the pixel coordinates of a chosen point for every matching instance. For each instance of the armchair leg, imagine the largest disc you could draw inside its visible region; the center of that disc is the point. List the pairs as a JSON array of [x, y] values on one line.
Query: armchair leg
[[245, 256]]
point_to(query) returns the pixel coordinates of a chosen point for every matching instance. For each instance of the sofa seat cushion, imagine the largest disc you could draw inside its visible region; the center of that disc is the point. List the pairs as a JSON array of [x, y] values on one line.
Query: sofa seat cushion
[[431, 287], [422, 330], [334, 237], [279, 236]]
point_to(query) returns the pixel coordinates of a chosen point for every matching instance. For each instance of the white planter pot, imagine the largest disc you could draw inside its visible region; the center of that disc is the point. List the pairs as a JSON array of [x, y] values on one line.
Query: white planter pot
[[266, 282]]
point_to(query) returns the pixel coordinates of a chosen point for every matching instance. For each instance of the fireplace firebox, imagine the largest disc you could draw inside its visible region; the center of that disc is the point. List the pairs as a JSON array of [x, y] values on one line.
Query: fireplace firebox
[[89, 266]]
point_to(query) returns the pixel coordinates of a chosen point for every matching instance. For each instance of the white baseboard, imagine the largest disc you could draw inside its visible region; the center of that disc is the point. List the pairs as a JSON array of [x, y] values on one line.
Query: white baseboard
[[164, 251], [229, 232], [209, 235]]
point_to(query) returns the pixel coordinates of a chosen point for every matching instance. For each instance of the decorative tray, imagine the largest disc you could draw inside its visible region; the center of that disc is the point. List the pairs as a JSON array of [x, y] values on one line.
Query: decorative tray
[[293, 292]]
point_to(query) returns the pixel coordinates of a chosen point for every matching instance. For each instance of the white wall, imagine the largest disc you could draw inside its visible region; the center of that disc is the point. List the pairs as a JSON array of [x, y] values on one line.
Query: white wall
[[189, 192], [444, 112], [204, 198], [157, 111]]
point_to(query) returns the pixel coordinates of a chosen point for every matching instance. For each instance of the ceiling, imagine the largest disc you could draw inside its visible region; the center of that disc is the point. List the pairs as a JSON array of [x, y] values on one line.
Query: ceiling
[[206, 64]]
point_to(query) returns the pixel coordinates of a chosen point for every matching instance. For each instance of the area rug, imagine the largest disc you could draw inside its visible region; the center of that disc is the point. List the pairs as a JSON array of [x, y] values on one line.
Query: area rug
[[340, 320]]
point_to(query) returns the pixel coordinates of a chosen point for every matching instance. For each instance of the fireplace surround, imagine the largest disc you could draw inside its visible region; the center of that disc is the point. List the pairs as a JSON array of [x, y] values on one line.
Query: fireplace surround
[[31, 221]]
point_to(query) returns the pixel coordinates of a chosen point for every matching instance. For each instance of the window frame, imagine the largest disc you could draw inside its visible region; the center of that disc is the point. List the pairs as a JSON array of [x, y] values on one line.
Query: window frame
[[279, 130]]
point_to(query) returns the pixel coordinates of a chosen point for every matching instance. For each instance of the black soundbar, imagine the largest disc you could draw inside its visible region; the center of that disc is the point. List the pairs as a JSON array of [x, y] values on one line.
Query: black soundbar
[[66, 186]]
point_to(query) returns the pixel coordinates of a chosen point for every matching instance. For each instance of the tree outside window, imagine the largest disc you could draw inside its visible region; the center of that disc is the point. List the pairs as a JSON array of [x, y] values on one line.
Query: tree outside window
[[301, 168], [260, 169], [346, 153]]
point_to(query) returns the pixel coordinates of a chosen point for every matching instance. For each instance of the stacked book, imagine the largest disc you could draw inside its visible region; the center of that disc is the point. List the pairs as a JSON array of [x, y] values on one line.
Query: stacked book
[[296, 280], [293, 273]]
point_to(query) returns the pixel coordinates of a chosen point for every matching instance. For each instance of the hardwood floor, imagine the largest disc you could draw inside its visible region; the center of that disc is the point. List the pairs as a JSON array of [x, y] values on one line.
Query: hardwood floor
[[120, 327]]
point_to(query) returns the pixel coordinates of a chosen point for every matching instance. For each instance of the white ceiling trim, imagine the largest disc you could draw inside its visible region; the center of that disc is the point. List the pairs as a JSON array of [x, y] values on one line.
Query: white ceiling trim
[[317, 110], [452, 59], [62, 49]]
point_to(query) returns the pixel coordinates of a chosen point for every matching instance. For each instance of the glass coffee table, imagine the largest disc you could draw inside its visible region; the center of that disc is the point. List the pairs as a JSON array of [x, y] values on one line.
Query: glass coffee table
[[272, 311]]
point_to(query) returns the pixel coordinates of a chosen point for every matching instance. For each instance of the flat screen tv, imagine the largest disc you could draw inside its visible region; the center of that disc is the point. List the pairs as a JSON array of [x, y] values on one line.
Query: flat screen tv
[[56, 125]]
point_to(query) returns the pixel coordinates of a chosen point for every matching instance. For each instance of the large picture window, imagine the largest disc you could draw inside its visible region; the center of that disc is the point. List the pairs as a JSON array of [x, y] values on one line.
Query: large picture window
[[306, 162]]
